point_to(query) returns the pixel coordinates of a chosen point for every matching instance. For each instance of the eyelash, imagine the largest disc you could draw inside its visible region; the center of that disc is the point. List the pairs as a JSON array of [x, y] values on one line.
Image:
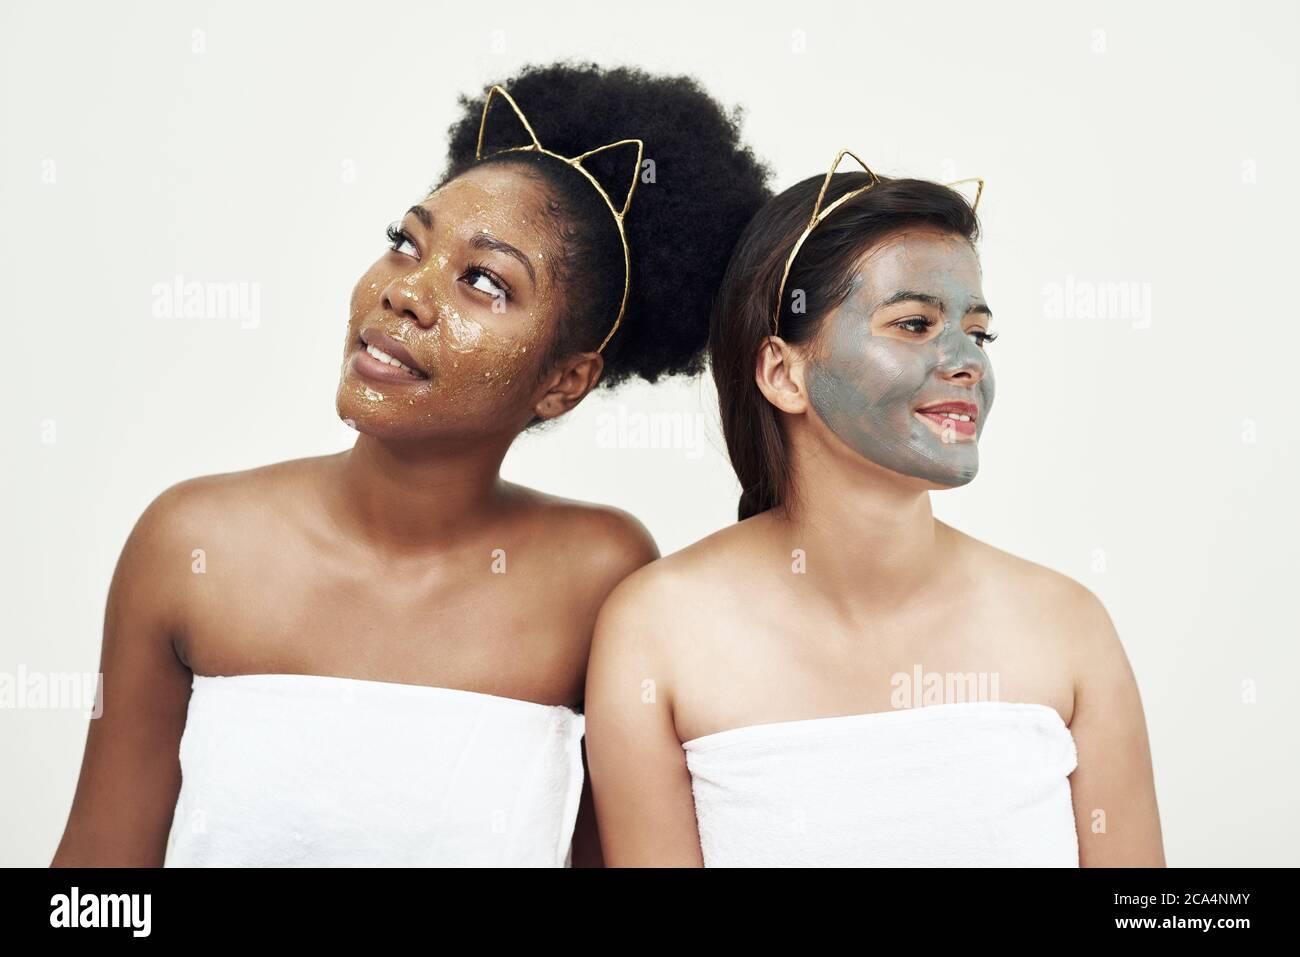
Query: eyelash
[[903, 324], [397, 236], [983, 337], [478, 269]]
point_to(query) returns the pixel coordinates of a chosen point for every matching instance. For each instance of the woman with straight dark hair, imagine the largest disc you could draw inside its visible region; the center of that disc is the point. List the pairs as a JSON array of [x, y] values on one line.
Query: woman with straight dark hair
[[840, 678]]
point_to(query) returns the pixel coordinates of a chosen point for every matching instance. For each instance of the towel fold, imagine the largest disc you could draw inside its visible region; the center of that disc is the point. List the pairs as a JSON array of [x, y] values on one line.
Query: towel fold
[[305, 770], [972, 784]]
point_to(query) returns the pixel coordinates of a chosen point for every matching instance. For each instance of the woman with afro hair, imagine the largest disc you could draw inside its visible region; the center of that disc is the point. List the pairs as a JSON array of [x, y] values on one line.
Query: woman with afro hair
[[378, 657]]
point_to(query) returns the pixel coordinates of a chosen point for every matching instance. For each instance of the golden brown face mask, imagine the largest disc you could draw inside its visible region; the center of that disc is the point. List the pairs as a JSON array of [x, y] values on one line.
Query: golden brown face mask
[[448, 327]]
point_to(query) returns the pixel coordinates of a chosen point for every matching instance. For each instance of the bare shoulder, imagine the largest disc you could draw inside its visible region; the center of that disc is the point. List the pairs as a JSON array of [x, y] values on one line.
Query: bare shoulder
[[675, 618], [601, 543], [153, 583], [213, 504], [611, 532], [226, 489], [669, 599], [1049, 603]]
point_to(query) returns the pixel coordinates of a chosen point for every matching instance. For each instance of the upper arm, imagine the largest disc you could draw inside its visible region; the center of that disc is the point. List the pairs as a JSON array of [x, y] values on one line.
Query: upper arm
[[609, 545], [1113, 787], [640, 780], [130, 772], [614, 544], [586, 837]]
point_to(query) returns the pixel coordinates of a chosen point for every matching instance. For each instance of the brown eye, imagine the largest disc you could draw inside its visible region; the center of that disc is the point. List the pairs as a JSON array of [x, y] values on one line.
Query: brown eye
[[910, 324]]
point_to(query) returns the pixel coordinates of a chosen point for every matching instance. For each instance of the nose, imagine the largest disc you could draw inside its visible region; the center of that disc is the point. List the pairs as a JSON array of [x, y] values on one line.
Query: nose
[[403, 299], [961, 360]]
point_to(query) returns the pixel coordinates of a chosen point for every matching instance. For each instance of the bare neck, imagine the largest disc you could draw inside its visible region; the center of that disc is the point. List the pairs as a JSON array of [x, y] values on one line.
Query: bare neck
[[407, 496], [870, 537]]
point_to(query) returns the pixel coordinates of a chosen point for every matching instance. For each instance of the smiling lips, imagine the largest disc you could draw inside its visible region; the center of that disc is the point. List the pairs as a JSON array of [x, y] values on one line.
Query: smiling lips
[[384, 359], [957, 418]]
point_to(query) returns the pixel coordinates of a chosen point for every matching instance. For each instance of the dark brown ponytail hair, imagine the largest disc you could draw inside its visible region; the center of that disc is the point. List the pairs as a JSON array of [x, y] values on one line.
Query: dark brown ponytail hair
[[823, 273]]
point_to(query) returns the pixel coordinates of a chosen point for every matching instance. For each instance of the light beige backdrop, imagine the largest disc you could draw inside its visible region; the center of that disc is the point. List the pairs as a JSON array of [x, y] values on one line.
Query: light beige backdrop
[[1140, 254]]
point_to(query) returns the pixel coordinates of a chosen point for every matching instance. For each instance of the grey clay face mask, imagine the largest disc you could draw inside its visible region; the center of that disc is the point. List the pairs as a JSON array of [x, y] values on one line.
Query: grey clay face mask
[[869, 374]]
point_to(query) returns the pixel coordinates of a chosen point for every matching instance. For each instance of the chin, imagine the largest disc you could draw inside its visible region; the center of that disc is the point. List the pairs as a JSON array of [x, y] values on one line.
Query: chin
[[380, 418], [954, 478]]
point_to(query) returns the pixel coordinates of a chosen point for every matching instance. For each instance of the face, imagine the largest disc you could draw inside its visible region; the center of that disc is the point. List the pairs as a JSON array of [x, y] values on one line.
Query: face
[[448, 327], [898, 372]]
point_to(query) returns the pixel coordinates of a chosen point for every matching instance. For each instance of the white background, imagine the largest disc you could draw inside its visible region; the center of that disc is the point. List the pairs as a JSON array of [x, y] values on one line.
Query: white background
[[1146, 456]]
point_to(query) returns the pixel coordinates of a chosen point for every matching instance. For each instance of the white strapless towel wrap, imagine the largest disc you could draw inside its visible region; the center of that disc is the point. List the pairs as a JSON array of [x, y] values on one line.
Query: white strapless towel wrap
[[971, 784], [305, 770]]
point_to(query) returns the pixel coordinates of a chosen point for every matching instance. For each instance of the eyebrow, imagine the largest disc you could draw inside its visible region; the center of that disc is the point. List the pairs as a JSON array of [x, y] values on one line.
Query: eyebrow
[[907, 295], [481, 240], [488, 241], [423, 215]]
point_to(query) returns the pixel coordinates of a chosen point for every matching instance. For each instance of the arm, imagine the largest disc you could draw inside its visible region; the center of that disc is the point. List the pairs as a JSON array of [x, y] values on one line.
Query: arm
[[1113, 785], [640, 780], [130, 773], [586, 839]]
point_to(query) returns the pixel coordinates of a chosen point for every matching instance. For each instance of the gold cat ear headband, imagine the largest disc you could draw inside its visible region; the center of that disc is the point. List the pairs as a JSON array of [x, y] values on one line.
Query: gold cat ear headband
[[576, 162], [818, 214]]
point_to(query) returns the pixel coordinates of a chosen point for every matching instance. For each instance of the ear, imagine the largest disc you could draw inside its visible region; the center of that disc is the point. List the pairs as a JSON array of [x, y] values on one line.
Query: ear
[[620, 208], [497, 94], [779, 371], [569, 384]]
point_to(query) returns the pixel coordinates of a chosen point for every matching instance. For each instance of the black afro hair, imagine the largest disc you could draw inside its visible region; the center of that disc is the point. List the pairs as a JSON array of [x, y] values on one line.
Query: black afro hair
[[691, 202]]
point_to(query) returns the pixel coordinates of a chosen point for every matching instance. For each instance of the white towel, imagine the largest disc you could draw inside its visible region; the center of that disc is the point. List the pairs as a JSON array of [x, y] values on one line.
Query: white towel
[[971, 784], [304, 770]]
